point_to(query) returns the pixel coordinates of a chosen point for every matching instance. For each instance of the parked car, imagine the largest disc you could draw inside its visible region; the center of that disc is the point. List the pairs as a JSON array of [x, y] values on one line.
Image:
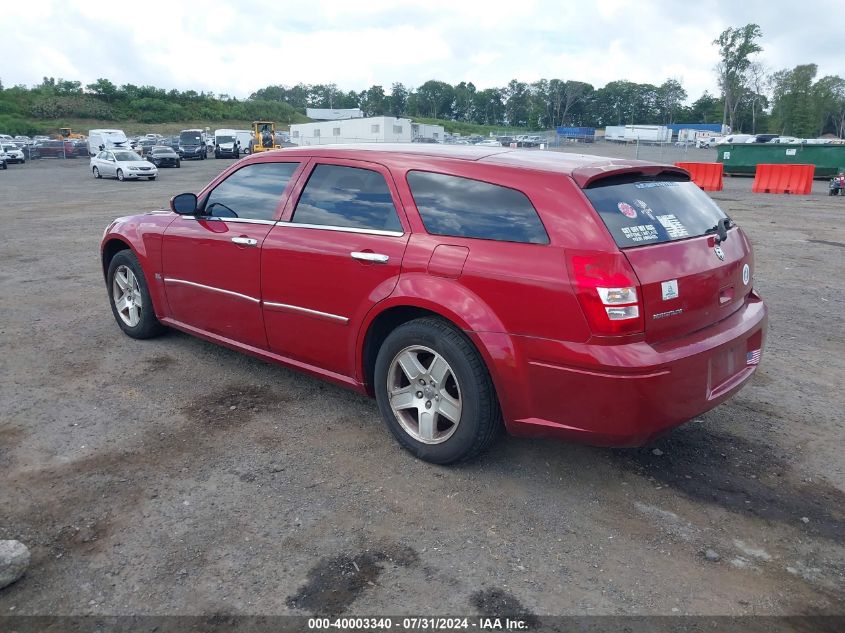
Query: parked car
[[13, 153], [488, 142], [600, 300], [163, 156], [3, 164], [53, 149], [145, 145], [80, 148], [123, 164], [706, 142], [784, 139]]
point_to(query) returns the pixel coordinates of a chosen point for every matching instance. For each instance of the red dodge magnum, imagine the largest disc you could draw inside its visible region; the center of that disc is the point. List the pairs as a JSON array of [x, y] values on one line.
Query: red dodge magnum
[[466, 288]]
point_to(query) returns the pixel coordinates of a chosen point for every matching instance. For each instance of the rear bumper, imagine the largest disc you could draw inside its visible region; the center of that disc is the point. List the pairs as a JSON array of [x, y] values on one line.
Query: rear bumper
[[625, 395]]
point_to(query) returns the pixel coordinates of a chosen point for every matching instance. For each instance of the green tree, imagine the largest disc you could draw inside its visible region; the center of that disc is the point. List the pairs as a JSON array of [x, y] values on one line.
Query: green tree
[[103, 88], [398, 99], [736, 46], [516, 103], [373, 101], [436, 97], [792, 101], [670, 97]]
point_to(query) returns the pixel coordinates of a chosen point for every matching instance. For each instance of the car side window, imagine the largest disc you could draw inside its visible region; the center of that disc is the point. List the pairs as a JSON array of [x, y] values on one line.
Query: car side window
[[463, 207], [347, 197], [253, 192]]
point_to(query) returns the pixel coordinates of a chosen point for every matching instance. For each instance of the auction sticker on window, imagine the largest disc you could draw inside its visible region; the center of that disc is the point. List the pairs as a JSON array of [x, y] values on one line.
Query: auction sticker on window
[[644, 209], [674, 227], [627, 210], [641, 233]]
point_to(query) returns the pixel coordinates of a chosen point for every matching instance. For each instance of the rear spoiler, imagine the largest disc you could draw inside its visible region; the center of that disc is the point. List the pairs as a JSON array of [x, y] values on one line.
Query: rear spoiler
[[589, 176]]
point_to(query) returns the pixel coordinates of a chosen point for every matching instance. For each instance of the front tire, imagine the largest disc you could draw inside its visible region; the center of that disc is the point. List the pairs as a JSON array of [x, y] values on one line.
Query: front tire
[[178, 163], [120, 175], [97, 173], [435, 393], [152, 178], [129, 297]]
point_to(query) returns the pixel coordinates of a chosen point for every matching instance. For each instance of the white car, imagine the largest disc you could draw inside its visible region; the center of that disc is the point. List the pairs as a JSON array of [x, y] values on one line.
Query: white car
[[706, 142], [3, 164], [489, 142], [122, 164], [785, 139], [13, 153]]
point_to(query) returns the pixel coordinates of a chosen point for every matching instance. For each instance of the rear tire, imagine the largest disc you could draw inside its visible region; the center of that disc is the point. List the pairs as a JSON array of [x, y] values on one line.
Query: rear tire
[[454, 383], [133, 310]]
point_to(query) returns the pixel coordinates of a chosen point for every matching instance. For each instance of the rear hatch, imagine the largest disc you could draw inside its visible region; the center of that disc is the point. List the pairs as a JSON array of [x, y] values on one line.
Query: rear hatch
[[694, 266]]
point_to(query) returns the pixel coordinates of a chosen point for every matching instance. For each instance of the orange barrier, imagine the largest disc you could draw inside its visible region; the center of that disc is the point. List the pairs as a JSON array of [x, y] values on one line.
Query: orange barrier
[[708, 176], [796, 179]]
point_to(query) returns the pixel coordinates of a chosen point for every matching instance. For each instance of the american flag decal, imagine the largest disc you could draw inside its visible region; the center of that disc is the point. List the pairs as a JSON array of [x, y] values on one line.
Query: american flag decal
[[753, 358]]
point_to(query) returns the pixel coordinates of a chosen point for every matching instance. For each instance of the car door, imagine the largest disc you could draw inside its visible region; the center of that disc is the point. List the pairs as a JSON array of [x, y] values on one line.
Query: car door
[[211, 261], [106, 164], [339, 252]]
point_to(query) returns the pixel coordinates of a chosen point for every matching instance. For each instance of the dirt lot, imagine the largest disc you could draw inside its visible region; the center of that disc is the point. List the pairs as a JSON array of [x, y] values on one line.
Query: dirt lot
[[175, 477]]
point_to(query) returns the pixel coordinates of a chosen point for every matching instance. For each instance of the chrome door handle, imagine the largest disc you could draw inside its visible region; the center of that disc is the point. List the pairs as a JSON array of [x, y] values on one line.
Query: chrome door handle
[[245, 241], [376, 258]]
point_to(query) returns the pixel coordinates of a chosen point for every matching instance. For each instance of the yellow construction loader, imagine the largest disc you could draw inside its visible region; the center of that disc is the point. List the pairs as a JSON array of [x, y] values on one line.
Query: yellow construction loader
[[263, 136]]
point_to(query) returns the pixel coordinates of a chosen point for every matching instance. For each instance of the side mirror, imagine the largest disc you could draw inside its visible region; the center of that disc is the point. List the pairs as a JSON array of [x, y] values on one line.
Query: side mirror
[[184, 203]]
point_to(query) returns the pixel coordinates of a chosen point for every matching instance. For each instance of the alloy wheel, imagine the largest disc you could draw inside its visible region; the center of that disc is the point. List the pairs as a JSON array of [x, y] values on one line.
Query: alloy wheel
[[127, 297], [424, 394]]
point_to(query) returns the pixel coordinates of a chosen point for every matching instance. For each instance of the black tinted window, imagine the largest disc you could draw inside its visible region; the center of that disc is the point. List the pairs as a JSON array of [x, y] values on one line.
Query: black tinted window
[[654, 211], [348, 197], [252, 192], [451, 205]]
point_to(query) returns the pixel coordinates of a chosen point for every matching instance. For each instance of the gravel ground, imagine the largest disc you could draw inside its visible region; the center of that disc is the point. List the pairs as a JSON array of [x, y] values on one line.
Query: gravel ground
[[173, 476]]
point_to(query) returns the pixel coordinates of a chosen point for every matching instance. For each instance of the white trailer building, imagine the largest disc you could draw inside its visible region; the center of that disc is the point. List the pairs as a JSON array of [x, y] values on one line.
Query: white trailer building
[[638, 133], [380, 129]]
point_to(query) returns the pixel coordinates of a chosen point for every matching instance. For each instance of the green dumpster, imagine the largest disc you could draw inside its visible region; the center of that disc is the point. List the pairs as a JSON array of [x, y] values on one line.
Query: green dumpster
[[743, 158]]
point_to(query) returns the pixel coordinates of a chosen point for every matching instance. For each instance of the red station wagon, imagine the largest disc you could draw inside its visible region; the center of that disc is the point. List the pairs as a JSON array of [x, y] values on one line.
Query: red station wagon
[[592, 299]]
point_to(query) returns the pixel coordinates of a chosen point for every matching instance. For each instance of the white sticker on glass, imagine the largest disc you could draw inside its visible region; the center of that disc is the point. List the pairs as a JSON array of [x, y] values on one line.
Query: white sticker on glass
[[674, 227], [641, 233], [670, 289]]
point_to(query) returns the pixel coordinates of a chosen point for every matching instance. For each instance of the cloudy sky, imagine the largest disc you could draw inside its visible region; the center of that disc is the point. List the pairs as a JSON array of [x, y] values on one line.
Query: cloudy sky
[[237, 47]]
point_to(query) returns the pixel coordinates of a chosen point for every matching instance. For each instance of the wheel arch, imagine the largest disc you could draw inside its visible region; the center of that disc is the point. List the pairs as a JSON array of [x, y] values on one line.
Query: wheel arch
[[111, 248], [388, 315]]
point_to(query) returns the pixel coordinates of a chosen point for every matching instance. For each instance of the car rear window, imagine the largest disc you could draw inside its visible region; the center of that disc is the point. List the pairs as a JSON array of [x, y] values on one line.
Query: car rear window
[[638, 211], [462, 207]]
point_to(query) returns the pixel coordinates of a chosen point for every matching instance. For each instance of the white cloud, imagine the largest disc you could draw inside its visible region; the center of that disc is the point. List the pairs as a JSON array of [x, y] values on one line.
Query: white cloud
[[237, 48]]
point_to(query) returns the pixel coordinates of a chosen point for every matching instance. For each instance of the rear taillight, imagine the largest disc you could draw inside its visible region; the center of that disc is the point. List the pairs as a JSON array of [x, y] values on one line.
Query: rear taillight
[[608, 291]]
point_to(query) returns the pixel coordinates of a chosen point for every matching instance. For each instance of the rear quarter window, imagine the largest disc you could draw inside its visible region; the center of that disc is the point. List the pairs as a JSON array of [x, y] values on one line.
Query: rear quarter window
[[646, 212], [463, 207]]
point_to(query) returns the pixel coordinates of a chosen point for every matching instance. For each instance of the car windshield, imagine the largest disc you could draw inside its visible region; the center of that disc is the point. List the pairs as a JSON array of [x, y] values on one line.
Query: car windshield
[[126, 157], [641, 212], [189, 137], [225, 139], [162, 150]]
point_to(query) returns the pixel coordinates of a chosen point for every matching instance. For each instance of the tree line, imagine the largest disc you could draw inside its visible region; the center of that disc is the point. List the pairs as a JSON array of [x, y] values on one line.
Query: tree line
[[752, 98]]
